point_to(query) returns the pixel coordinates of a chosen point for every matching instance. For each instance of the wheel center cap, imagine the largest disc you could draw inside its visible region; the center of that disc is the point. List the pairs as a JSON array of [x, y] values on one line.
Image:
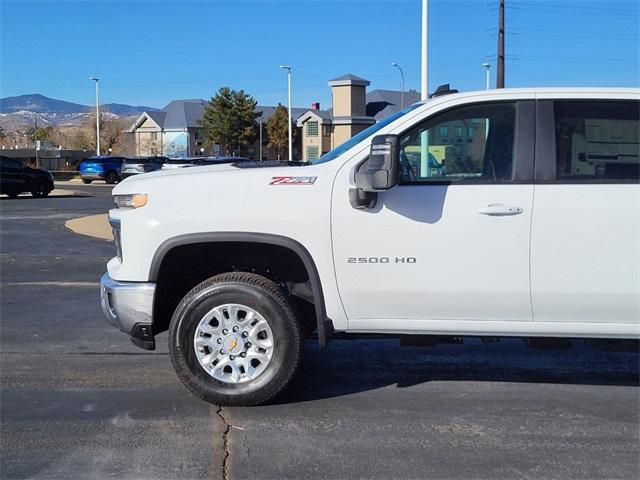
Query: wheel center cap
[[233, 344]]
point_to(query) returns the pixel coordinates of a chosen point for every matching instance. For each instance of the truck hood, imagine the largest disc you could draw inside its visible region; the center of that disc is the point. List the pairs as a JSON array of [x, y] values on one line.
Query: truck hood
[[266, 170]]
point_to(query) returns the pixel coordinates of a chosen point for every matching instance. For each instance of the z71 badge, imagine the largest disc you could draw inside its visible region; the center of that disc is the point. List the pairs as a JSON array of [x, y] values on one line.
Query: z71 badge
[[292, 180]]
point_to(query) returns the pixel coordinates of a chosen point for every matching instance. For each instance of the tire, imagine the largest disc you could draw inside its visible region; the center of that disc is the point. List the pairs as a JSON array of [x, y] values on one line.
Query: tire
[[112, 178], [13, 194], [241, 290], [41, 189], [86, 181]]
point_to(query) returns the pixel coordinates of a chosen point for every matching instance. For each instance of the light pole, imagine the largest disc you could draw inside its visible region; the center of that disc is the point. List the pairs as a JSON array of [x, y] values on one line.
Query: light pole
[[424, 83], [35, 141], [487, 67], [394, 64], [425, 171], [288, 68], [97, 80], [260, 122]]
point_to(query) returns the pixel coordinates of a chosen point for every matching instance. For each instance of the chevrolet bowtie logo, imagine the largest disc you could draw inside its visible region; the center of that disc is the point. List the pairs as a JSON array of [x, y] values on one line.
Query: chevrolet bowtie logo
[[233, 345]]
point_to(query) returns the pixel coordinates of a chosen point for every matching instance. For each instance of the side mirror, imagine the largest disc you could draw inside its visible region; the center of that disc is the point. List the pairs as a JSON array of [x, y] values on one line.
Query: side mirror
[[380, 172]]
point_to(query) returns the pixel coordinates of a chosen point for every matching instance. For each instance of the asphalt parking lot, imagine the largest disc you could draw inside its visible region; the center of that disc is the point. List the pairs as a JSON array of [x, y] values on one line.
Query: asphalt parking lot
[[78, 400]]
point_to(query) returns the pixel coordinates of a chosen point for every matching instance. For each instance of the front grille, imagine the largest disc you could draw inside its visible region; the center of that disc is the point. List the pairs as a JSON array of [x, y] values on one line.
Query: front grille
[[115, 226]]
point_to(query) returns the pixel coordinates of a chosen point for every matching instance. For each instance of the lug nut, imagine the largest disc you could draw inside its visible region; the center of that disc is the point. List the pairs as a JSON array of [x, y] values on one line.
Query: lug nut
[[235, 329], [243, 354], [248, 344], [232, 357], [225, 331], [221, 352], [219, 340]]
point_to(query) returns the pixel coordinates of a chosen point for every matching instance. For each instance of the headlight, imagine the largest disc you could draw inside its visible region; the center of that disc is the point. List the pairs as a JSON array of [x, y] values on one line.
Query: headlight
[[131, 200]]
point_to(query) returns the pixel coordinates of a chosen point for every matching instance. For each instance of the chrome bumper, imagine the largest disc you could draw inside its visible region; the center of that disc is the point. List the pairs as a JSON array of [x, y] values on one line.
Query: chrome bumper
[[127, 305]]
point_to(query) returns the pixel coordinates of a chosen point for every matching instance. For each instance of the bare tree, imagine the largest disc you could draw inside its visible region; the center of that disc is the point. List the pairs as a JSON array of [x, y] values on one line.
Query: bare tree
[[112, 133]]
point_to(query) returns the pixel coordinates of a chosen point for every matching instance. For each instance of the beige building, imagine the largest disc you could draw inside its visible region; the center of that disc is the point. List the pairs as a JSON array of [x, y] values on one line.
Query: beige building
[[175, 131], [352, 110]]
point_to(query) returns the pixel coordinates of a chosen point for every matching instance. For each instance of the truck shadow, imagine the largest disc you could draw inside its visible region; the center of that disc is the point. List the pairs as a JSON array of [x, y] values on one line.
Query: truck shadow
[[349, 366]]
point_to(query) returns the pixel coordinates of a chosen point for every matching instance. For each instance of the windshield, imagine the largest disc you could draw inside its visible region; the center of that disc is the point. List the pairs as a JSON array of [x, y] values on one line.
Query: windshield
[[339, 150]]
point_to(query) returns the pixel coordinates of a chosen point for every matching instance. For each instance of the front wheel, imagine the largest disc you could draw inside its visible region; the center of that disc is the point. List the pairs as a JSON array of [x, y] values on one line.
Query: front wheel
[[41, 189], [235, 339], [112, 178], [86, 181]]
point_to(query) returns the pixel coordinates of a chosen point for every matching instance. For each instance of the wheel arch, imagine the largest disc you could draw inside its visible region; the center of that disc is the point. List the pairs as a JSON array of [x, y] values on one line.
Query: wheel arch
[[324, 324]]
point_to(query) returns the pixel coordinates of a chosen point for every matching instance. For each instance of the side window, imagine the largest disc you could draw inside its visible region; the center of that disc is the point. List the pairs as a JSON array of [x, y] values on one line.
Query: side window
[[312, 129], [597, 140], [9, 164], [312, 152], [466, 144]]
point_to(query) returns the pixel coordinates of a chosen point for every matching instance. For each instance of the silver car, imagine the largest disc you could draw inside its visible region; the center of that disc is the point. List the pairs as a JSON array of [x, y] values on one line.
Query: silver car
[[138, 165], [174, 163]]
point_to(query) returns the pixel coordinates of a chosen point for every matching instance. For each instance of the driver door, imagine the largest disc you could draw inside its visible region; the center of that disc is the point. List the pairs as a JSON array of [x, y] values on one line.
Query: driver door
[[450, 243]]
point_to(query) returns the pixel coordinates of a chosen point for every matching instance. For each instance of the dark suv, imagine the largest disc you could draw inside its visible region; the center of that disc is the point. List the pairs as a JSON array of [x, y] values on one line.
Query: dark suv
[[16, 177]]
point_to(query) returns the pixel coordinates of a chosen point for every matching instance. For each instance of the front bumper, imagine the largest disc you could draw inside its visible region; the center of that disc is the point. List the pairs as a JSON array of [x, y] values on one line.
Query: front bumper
[[128, 306], [92, 176], [128, 174]]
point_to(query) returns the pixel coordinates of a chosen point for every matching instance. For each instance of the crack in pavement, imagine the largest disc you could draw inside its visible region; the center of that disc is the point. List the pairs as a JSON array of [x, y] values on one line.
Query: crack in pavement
[[225, 444]]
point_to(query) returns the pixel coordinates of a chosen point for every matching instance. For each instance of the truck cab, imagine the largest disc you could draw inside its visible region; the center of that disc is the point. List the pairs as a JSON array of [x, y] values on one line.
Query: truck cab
[[511, 212]]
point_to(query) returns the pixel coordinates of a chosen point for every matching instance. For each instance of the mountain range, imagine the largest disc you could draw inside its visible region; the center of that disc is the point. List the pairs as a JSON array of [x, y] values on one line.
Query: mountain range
[[21, 111]]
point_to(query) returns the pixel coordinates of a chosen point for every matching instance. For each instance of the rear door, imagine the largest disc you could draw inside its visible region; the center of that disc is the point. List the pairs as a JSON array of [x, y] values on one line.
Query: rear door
[[585, 235]]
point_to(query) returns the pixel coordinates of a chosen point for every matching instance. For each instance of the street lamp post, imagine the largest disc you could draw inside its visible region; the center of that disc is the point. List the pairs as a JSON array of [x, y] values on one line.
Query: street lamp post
[[288, 68], [424, 84], [36, 141], [425, 171], [487, 67], [97, 80], [260, 149], [394, 64]]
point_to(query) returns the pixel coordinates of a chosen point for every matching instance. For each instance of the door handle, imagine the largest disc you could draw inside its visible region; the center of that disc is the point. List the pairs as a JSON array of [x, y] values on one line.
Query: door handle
[[498, 210]]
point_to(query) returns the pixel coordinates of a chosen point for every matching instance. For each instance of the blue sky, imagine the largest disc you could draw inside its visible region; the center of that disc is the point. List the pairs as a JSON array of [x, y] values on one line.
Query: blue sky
[[150, 52]]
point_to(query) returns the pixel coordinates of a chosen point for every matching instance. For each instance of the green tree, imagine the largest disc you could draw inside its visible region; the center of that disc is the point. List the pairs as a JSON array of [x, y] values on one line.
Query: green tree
[[229, 120], [40, 133], [277, 131]]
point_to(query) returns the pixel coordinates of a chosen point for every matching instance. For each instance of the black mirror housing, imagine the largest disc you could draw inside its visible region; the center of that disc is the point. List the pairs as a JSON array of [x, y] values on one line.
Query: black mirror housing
[[381, 171]]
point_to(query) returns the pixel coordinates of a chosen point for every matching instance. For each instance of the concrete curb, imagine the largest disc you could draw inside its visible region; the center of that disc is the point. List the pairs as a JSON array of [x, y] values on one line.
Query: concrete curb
[[96, 226], [58, 192]]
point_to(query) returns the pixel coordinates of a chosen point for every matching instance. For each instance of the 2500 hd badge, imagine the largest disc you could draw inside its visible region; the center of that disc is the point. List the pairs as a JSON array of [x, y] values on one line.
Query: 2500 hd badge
[[381, 260]]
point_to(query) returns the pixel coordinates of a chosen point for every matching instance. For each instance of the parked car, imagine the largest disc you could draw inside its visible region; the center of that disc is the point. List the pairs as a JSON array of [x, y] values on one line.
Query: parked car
[[175, 163], [137, 165], [221, 160], [16, 177], [196, 161], [101, 168], [528, 228]]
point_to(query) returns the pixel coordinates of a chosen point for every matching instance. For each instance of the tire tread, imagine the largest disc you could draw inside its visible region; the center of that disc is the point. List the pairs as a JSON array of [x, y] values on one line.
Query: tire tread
[[270, 288]]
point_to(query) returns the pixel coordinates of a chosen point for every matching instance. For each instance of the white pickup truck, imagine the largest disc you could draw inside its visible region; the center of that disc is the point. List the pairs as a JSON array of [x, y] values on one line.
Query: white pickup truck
[[513, 212]]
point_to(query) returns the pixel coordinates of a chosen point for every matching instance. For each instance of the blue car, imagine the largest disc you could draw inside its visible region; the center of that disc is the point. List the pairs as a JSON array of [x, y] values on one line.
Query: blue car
[[101, 168]]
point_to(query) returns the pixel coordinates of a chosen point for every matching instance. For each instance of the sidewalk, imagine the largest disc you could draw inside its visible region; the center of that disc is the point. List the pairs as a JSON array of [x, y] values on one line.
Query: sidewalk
[[96, 226]]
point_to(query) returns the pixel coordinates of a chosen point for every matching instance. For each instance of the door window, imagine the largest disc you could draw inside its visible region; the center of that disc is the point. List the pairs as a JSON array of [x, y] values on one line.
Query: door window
[[597, 140], [9, 164], [466, 144]]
